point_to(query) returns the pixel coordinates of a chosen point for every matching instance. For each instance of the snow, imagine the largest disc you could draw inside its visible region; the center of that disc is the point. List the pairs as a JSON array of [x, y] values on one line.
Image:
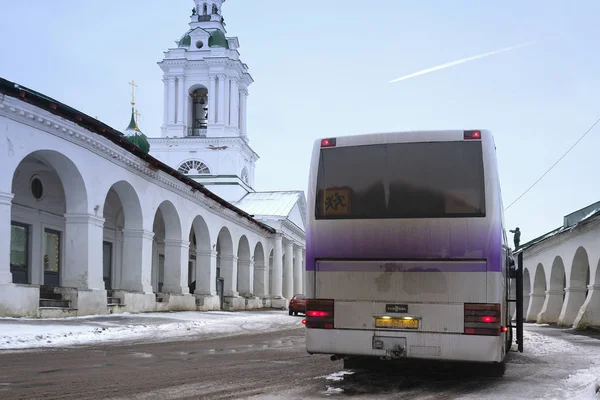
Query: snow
[[541, 345], [26, 333]]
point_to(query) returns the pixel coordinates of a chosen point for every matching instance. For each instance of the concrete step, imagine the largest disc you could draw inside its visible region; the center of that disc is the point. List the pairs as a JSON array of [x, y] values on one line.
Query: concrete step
[[54, 303], [112, 301], [57, 312]]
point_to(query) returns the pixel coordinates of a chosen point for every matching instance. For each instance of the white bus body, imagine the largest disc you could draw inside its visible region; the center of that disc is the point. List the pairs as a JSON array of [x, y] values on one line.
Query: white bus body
[[406, 253]]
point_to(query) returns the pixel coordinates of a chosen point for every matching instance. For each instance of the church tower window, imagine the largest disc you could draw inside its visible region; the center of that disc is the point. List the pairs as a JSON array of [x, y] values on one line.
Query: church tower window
[[194, 167]]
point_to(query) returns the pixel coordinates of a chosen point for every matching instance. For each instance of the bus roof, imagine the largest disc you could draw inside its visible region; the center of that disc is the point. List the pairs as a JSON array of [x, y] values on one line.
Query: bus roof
[[403, 137]]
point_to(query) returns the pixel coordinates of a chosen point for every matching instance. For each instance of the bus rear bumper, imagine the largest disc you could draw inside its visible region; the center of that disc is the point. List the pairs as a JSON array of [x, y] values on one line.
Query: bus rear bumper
[[440, 346]]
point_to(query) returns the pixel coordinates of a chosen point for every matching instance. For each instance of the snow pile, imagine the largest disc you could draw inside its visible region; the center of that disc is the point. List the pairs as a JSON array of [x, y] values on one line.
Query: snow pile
[[584, 384], [34, 333], [540, 345]]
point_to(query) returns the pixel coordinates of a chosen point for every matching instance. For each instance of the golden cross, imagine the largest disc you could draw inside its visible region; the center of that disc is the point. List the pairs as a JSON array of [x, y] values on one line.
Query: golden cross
[[133, 86], [137, 115]]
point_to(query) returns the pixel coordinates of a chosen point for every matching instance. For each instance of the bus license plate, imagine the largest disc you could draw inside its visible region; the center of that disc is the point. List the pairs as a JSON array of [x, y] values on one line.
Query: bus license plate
[[396, 323]]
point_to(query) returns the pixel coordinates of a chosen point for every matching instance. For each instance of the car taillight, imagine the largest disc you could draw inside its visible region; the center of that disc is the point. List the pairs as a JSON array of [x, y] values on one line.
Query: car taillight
[[483, 319], [319, 314]]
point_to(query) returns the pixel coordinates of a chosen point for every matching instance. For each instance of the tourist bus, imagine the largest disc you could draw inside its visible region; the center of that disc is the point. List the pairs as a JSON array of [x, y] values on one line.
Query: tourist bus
[[406, 250]]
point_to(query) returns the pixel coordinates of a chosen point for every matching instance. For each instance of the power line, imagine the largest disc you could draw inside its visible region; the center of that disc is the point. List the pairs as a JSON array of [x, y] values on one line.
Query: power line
[[554, 165]]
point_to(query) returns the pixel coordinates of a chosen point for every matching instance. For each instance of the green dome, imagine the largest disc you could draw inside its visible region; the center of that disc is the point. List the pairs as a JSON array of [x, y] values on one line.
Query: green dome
[[218, 39], [185, 40], [135, 136], [140, 140]]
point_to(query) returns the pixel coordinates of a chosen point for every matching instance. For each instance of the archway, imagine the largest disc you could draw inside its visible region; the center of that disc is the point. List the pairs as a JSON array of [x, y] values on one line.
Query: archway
[[538, 293], [226, 263], [271, 264], [261, 281], [124, 240], [201, 276], [169, 253], [245, 270], [576, 292], [198, 111], [46, 248], [556, 293]]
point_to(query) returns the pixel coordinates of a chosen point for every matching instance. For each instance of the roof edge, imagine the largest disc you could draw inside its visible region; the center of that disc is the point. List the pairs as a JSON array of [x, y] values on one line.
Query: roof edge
[[93, 125]]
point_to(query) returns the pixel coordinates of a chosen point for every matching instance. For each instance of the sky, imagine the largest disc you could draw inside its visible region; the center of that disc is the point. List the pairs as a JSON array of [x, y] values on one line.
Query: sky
[[323, 69]]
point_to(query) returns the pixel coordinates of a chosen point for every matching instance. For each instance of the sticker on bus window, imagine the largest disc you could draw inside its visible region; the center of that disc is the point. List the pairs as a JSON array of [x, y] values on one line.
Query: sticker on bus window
[[336, 201]]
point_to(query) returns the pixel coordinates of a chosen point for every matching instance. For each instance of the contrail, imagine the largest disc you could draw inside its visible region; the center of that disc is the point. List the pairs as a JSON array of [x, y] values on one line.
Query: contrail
[[464, 60]]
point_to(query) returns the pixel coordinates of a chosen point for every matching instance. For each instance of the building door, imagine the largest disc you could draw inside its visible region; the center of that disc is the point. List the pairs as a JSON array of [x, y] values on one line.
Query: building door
[[52, 257], [107, 252], [19, 252]]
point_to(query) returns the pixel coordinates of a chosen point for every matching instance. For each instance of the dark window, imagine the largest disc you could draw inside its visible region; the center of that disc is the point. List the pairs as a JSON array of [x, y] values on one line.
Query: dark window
[[37, 188], [401, 180], [300, 297], [19, 252]]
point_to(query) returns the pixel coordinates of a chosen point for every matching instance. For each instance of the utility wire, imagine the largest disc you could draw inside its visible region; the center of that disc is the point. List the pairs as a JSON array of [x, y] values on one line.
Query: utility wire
[[554, 165]]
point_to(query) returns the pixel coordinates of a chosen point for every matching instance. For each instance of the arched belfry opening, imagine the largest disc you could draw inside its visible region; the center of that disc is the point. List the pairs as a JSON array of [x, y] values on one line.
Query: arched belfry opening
[[199, 100]]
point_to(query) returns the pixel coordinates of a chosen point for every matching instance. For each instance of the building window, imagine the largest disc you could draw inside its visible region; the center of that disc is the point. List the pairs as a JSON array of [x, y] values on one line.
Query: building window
[[245, 175], [37, 188], [194, 167], [19, 252]]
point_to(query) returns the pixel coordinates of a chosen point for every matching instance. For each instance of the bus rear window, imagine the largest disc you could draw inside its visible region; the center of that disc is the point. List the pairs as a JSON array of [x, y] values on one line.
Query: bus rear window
[[401, 180]]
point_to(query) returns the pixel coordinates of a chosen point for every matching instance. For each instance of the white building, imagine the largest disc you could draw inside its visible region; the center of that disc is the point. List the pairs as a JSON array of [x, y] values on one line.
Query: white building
[[94, 225], [561, 276]]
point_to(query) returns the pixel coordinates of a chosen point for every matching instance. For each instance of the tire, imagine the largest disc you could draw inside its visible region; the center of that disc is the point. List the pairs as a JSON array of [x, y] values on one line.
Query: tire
[[290, 312]]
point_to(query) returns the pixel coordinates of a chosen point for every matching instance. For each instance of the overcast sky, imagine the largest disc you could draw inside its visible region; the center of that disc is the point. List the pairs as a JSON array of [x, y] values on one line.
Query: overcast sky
[[324, 69]]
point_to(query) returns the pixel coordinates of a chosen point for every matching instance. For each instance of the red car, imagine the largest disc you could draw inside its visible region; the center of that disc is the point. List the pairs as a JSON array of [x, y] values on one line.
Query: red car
[[297, 305]]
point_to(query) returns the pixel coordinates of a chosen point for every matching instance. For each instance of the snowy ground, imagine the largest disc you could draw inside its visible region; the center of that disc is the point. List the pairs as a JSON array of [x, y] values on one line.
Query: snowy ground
[[24, 333]]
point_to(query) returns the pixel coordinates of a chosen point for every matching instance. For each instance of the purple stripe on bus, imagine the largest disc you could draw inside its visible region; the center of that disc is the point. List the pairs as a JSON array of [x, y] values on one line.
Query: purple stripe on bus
[[390, 266]]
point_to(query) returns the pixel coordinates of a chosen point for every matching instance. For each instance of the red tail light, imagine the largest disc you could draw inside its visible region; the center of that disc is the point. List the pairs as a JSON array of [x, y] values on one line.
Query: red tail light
[[482, 319], [319, 314], [472, 135], [328, 142]]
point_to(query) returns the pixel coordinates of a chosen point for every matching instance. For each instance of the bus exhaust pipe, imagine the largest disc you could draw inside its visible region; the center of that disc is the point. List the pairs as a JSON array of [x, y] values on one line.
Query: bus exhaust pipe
[[335, 357]]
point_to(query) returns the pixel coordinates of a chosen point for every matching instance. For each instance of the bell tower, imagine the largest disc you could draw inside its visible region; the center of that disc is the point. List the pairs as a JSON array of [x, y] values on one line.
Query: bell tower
[[205, 95], [205, 83]]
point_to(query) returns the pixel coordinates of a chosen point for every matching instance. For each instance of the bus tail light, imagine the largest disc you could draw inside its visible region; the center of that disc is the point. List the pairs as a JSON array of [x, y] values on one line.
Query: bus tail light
[[482, 319], [328, 142], [472, 135], [319, 313]]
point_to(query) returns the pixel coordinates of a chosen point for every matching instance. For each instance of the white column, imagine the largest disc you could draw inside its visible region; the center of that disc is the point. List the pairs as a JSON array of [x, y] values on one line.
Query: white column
[[288, 271], [206, 272], [222, 99], [176, 266], [5, 218], [166, 101], [243, 111], [536, 301], [298, 270], [181, 100], [212, 100], [83, 268], [589, 313], [229, 265], [261, 281], [574, 299], [137, 260], [235, 100], [552, 306], [276, 290], [246, 275], [171, 101]]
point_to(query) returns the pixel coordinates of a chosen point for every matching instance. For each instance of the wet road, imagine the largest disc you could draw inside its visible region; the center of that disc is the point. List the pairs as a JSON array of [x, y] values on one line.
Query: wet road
[[276, 366]]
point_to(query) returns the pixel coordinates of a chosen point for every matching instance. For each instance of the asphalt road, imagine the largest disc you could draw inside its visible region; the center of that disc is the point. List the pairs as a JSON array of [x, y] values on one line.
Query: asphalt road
[[273, 366]]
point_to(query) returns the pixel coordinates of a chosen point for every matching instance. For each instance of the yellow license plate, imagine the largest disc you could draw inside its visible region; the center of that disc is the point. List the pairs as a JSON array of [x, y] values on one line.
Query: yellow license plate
[[396, 323]]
